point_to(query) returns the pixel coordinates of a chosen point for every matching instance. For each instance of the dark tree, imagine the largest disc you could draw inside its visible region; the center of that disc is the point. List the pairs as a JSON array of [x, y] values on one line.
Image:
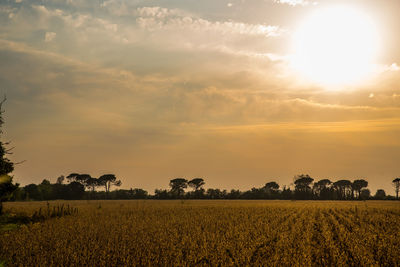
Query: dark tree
[[32, 192], [138, 193], [396, 185], [46, 190], [321, 188], [60, 179], [178, 186], [72, 177], [365, 194], [343, 188], [107, 180], [380, 194], [357, 186], [271, 186], [270, 190], [7, 187], [286, 193], [75, 190], [302, 186], [83, 179], [196, 183], [92, 183], [234, 194], [216, 193], [161, 194]]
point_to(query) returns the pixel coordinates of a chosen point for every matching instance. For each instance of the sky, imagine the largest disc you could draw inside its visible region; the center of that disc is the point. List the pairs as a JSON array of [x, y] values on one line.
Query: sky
[[153, 90]]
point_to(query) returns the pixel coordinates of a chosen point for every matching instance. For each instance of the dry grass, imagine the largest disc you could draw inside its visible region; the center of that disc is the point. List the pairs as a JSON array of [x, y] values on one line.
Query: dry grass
[[176, 233]]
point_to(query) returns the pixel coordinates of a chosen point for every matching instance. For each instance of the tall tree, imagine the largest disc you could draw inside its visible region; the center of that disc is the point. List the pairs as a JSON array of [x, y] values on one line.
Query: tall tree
[[343, 188], [7, 187], [321, 186], [396, 185], [87, 180], [83, 179], [196, 183], [270, 190], [303, 186], [92, 183], [72, 177], [178, 186], [107, 180], [358, 185]]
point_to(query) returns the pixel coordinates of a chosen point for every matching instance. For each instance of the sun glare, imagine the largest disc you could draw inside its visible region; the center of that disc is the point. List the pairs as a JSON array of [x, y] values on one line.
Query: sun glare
[[336, 46]]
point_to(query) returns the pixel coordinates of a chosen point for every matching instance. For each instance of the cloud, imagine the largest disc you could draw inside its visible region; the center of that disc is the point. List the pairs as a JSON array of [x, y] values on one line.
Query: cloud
[[153, 18], [181, 31], [163, 99], [294, 2], [132, 41], [158, 90], [49, 36]]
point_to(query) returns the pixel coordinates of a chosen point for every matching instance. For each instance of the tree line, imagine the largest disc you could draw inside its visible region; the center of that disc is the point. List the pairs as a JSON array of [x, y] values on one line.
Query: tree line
[[73, 186], [304, 187], [83, 186]]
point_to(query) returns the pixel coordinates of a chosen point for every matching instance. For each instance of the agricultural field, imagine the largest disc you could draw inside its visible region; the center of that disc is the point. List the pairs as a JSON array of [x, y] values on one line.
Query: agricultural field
[[203, 233]]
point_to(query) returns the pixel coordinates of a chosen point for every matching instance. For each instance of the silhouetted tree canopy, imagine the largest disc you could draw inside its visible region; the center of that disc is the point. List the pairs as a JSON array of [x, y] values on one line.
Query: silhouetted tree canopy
[[380, 194], [323, 189], [302, 186], [178, 186], [396, 185], [196, 183], [271, 186], [107, 180], [7, 187], [72, 177], [358, 185], [365, 194], [343, 189]]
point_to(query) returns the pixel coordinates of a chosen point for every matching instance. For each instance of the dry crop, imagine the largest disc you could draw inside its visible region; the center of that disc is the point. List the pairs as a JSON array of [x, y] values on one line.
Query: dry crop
[[190, 233]]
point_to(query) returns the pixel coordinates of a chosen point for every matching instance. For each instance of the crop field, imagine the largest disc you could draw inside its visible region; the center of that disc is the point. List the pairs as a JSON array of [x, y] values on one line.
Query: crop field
[[203, 233]]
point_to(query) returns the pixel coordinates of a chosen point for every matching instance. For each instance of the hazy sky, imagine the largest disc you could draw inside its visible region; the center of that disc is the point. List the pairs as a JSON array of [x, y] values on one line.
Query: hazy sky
[[153, 90]]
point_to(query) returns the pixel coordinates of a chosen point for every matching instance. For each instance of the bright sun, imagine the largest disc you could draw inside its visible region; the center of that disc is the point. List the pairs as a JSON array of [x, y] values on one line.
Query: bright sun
[[336, 46]]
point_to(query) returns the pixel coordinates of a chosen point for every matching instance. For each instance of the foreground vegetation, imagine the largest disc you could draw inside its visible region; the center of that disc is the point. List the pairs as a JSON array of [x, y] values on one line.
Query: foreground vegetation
[[186, 232]]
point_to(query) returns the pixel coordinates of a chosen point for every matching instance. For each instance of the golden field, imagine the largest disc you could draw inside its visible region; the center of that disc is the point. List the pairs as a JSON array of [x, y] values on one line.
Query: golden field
[[202, 233]]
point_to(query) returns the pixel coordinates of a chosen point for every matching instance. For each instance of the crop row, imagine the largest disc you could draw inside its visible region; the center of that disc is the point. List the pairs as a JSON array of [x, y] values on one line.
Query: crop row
[[228, 233]]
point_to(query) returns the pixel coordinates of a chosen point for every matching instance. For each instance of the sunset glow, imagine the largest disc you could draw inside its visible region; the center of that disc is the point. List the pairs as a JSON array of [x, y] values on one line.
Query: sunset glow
[[336, 45], [199, 133]]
